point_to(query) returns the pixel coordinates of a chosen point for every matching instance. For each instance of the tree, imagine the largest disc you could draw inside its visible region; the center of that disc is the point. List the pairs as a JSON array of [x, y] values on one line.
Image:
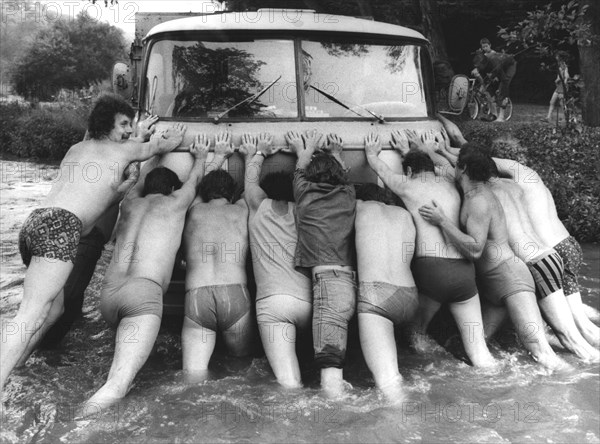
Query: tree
[[422, 15], [70, 54], [589, 61], [549, 29], [16, 34]]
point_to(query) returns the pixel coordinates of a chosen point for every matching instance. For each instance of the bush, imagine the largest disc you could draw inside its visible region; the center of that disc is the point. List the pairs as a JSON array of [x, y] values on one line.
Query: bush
[[41, 133], [568, 163]]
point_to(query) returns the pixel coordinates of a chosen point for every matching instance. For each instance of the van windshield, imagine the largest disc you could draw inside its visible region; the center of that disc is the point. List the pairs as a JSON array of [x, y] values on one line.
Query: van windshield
[[256, 79]]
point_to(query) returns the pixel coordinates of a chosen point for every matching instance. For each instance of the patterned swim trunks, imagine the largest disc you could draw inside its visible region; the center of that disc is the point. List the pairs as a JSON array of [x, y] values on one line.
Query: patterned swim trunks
[[572, 257], [52, 233]]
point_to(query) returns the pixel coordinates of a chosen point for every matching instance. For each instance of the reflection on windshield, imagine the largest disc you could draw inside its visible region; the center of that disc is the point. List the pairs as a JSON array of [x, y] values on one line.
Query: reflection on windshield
[[221, 80], [206, 79], [385, 80]]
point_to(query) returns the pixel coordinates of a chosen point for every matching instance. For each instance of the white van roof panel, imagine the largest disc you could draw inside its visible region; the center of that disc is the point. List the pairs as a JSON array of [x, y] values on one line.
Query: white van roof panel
[[283, 20]]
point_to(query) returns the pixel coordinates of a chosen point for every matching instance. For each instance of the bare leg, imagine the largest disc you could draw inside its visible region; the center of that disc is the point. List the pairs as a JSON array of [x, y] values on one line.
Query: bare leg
[[279, 342], [525, 315], [56, 311], [197, 346], [557, 312], [427, 309], [467, 315], [587, 328], [44, 280], [240, 336], [134, 341], [379, 349], [493, 318]]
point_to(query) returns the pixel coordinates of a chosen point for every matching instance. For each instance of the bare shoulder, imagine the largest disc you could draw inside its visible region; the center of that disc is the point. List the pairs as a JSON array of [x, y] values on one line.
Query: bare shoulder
[[480, 203]]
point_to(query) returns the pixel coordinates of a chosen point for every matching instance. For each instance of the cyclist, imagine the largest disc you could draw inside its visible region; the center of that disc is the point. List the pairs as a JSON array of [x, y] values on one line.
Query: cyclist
[[499, 65]]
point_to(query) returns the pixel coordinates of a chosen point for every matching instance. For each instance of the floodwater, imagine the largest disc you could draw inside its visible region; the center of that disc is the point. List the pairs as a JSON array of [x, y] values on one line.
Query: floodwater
[[446, 400]]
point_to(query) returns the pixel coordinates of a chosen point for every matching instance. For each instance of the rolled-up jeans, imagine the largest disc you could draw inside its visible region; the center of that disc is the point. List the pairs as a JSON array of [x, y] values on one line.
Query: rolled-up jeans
[[334, 305]]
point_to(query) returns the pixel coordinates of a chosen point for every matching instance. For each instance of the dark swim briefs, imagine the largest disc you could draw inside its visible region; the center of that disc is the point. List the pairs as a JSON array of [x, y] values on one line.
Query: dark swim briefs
[[217, 306], [508, 278], [547, 272], [52, 233], [130, 297], [393, 302], [443, 279], [571, 254]]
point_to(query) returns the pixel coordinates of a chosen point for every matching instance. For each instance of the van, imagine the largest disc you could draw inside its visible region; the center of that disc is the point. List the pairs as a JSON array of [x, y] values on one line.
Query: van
[[276, 70]]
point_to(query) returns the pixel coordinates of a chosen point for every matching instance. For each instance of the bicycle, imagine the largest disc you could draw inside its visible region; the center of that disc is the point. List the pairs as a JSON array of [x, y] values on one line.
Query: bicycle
[[480, 101]]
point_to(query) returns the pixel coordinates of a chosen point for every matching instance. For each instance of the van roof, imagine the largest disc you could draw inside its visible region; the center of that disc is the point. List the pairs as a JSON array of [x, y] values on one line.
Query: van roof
[[283, 20]]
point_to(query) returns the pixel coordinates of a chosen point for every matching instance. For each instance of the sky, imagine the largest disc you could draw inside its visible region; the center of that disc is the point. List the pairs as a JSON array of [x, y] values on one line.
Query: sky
[[122, 14]]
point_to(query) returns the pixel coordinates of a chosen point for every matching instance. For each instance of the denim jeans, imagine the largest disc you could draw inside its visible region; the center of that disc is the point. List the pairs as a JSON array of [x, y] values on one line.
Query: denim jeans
[[334, 305]]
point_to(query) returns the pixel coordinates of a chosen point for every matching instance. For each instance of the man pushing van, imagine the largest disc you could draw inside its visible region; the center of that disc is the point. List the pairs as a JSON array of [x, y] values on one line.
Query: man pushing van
[[91, 178]]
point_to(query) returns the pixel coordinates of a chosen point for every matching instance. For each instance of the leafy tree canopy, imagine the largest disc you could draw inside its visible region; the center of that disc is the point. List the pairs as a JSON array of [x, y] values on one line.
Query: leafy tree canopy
[[70, 54]]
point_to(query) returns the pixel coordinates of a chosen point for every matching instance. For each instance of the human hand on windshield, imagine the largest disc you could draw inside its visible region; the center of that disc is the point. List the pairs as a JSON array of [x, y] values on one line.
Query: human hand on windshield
[[146, 127], [372, 145], [248, 146], [313, 140], [295, 141], [445, 143], [171, 138], [265, 144], [199, 147], [335, 144], [428, 142], [414, 140], [223, 146], [399, 141]]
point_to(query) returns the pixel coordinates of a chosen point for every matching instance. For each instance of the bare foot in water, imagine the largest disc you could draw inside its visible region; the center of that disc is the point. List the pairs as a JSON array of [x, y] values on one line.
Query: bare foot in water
[[333, 384], [100, 402]]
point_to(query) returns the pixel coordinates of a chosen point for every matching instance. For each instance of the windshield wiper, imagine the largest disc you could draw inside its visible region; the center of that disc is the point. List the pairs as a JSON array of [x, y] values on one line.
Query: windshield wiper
[[247, 100], [379, 117]]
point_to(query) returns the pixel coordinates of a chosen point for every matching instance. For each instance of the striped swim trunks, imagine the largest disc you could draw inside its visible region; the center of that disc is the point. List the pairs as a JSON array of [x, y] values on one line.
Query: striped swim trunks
[[547, 272]]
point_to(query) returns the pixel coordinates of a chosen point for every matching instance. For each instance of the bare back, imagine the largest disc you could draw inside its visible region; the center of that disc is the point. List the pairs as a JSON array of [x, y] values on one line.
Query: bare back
[[422, 190], [148, 237], [385, 243], [89, 176], [521, 235], [496, 249], [541, 209], [216, 243]]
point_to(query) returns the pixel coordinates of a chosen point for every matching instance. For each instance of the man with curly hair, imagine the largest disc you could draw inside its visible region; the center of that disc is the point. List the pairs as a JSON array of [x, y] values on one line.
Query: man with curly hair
[[91, 179]]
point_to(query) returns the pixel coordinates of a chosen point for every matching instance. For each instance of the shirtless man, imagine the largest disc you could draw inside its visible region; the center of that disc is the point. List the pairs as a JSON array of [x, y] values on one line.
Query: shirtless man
[[387, 295], [283, 295], [501, 277], [90, 180], [90, 250], [539, 203], [543, 262], [216, 242], [148, 237], [441, 271]]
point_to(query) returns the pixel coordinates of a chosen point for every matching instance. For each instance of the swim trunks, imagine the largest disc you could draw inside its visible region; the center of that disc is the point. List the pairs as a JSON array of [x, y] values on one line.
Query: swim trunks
[[283, 308], [547, 272], [217, 306], [508, 278], [443, 279], [52, 233], [398, 304], [571, 254], [130, 297]]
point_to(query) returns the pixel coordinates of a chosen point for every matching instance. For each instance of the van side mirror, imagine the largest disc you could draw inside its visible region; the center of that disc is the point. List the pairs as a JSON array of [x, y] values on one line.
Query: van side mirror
[[122, 83], [458, 92]]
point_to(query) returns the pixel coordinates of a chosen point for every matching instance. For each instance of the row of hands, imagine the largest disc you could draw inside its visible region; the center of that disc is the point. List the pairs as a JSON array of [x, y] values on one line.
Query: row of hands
[[312, 140], [402, 141]]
